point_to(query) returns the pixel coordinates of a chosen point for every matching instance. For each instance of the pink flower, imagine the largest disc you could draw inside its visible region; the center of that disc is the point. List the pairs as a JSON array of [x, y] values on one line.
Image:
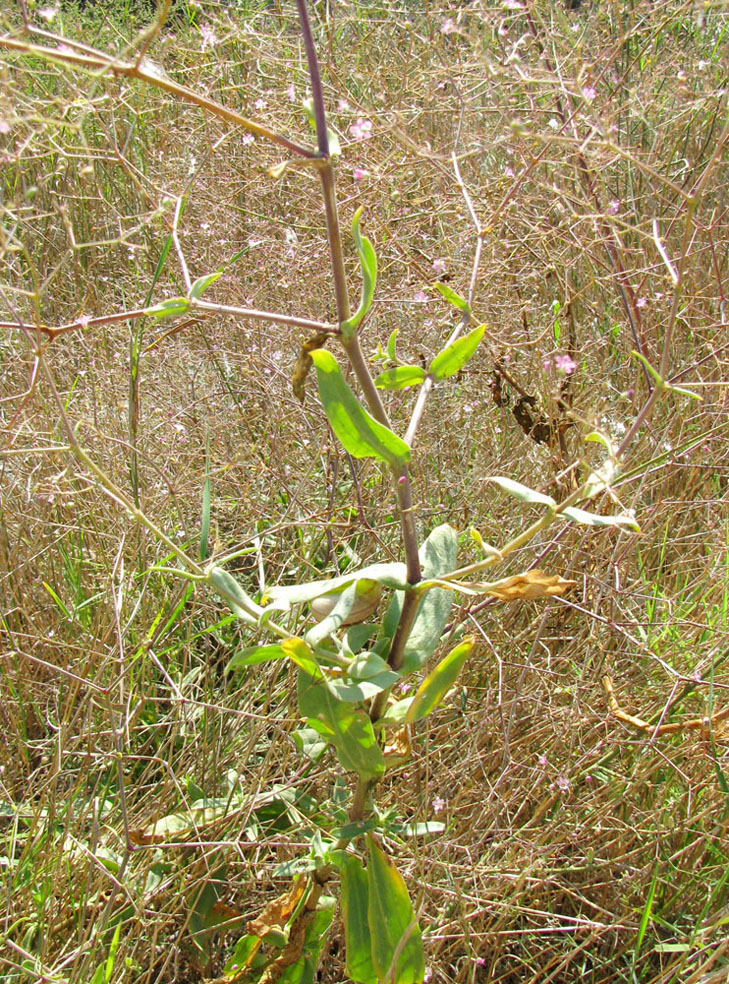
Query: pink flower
[[247, 139], [361, 129], [438, 804], [210, 38], [614, 206], [565, 364], [641, 302], [291, 93], [4, 126], [439, 266], [260, 103], [589, 93], [448, 26], [358, 173], [421, 296], [342, 106], [509, 172]]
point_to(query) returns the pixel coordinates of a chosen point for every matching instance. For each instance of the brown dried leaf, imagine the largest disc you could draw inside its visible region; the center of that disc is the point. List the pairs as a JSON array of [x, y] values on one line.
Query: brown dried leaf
[[529, 586], [277, 913], [303, 364], [398, 748]]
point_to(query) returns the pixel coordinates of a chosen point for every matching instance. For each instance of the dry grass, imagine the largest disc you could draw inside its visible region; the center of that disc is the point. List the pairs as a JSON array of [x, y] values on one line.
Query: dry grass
[[576, 847]]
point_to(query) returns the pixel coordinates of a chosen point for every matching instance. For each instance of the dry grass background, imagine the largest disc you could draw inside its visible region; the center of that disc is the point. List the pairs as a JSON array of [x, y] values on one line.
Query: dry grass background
[[576, 846]]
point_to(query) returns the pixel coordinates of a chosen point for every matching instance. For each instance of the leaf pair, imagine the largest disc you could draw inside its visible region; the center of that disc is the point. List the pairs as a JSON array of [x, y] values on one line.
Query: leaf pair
[[447, 363], [383, 938]]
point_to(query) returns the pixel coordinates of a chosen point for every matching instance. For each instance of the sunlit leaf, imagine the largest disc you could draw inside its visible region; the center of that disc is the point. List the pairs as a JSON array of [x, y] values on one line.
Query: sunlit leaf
[[391, 575], [450, 295], [592, 519], [391, 342], [360, 434], [252, 655], [202, 283], [437, 684], [344, 726], [355, 904], [400, 377], [520, 491], [453, 358], [368, 269], [171, 308], [396, 942]]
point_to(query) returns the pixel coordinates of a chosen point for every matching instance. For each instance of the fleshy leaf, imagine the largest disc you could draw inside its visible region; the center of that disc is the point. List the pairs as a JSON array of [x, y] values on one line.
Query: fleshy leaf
[[453, 358], [591, 519], [368, 268], [450, 295], [391, 342], [438, 555], [355, 904], [253, 655], [392, 575], [360, 434], [400, 377], [235, 597], [171, 308], [520, 491], [345, 727], [437, 684], [202, 283], [396, 942]]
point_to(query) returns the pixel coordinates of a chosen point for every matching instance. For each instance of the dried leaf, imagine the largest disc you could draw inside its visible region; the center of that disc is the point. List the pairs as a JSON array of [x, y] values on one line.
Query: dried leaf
[[529, 586], [303, 364], [398, 748], [277, 913]]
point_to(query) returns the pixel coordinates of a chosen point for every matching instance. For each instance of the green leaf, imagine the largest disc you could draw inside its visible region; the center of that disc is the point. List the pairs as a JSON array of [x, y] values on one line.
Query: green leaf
[[253, 655], [202, 284], [438, 555], [520, 491], [437, 684], [317, 929], [450, 295], [355, 903], [400, 378], [335, 148], [335, 618], [368, 268], [591, 519], [453, 358], [391, 341], [235, 597], [396, 942], [392, 575], [358, 431], [171, 308], [395, 714], [345, 727]]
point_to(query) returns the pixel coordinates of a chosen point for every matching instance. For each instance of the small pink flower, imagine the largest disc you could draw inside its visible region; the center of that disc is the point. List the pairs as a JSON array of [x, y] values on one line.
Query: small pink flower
[[260, 103], [589, 93], [565, 364], [641, 302], [342, 106], [439, 266], [438, 804], [509, 172], [361, 129], [291, 93], [614, 206], [358, 173], [421, 297], [4, 126], [210, 38], [448, 26], [512, 5], [247, 139]]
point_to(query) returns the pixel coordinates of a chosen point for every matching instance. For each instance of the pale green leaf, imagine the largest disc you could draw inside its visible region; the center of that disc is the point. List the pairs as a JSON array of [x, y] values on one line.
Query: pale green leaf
[[453, 358], [592, 519], [520, 491], [202, 283], [437, 684], [355, 903], [400, 378], [396, 941], [360, 434], [368, 269], [172, 308], [450, 295]]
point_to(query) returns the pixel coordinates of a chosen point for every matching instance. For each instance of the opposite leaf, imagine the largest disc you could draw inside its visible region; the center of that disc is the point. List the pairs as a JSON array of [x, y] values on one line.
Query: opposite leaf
[[397, 945], [400, 378], [437, 684], [355, 902], [368, 267], [453, 358], [359, 432]]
